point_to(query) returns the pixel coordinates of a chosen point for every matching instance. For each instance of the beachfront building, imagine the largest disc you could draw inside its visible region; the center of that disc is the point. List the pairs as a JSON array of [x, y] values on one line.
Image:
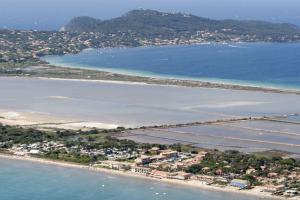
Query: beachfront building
[[114, 165], [241, 184], [207, 180], [168, 175], [181, 175], [141, 170], [34, 151]]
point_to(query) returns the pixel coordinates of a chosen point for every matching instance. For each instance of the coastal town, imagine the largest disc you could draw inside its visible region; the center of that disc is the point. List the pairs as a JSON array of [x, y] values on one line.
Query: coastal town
[[275, 175], [25, 47]]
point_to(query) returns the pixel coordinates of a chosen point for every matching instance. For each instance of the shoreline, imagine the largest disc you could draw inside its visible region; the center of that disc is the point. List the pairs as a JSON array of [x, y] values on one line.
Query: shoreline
[[190, 82], [190, 183], [211, 81], [203, 82], [181, 83]]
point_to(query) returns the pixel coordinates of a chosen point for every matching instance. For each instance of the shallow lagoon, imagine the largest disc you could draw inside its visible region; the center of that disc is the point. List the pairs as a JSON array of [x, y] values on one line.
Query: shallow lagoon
[[132, 105]]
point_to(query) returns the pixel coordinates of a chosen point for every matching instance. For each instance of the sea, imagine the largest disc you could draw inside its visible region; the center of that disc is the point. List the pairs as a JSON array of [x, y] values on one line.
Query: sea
[[25, 180], [274, 65]]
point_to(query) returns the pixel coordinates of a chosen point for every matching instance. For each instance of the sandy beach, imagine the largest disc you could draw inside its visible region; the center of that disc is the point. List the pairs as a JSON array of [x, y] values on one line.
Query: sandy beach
[[173, 82], [45, 120], [190, 183]]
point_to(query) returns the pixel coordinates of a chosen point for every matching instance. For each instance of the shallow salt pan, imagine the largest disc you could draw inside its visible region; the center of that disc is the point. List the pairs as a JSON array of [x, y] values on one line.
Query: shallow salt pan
[[227, 105]]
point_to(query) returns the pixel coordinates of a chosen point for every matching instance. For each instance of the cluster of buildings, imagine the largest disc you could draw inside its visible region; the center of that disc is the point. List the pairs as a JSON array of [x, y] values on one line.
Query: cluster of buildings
[[157, 163], [169, 164], [26, 46], [199, 37], [37, 148], [165, 164], [111, 154], [276, 184], [168, 160], [22, 46]]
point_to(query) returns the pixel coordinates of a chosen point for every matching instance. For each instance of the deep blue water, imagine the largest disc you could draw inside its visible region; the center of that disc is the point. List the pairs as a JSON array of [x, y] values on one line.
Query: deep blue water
[[263, 64], [31, 181]]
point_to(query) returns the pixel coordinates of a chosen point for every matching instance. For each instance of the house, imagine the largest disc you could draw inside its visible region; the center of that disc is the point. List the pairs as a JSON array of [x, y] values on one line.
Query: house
[[241, 184], [34, 151], [220, 179], [143, 160], [169, 154], [154, 150]]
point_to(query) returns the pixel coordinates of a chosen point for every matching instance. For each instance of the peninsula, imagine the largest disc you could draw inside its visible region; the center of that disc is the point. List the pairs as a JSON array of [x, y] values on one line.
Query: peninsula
[[135, 28]]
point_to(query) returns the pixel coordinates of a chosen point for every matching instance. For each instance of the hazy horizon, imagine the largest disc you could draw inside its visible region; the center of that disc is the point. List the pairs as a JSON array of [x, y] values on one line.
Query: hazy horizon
[[52, 14]]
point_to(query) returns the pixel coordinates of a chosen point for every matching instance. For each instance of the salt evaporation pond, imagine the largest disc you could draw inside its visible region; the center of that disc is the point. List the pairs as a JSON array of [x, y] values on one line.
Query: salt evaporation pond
[[245, 136]]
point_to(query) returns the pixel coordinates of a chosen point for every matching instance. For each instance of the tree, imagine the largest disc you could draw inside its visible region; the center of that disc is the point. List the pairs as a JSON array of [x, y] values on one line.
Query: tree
[[194, 169]]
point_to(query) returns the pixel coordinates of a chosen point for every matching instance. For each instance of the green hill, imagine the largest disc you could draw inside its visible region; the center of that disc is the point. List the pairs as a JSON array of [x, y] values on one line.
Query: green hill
[[151, 24]]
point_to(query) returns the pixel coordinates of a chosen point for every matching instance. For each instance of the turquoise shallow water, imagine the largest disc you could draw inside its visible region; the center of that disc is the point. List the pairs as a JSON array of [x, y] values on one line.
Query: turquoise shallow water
[[32, 181], [259, 64]]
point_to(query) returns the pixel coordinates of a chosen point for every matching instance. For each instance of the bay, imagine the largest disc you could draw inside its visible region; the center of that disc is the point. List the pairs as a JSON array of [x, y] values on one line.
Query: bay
[[252, 64]]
